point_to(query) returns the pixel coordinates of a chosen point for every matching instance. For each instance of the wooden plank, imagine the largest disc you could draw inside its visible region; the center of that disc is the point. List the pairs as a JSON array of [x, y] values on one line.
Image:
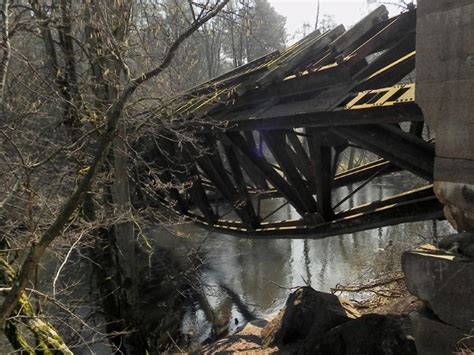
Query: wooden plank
[[402, 112], [313, 49], [395, 29], [347, 40], [391, 67]]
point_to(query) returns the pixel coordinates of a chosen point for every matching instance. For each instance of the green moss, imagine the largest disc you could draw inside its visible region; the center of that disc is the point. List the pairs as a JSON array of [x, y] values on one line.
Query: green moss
[[48, 341]]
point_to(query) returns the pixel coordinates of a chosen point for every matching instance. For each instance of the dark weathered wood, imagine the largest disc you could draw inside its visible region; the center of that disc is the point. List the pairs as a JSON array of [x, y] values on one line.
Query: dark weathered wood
[[393, 30], [409, 196], [300, 158], [196, 191], [276, 142], [391, 67], [321, 165], [275, 179], [416, 128], [293, 87], [422, 209], [346, 41], [288, 65], [255, 175], [235, 167], [402, 112], [213, 170], [408, 152], [364, 172]]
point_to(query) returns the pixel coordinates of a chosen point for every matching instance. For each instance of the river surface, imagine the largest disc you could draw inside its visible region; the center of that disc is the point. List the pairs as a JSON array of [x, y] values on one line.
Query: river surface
[[263, 272]]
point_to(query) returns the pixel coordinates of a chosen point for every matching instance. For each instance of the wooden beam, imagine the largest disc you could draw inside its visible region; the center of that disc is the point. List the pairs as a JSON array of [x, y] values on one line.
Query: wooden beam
[[402, 112], [391, 67], [255, 175], [402, 149], [222, 182], [276, 141], [301, 158], [321, 165], [408, 196], [422, 209], [242, 188], [196, 190], [265, 168], [363, 172], [395, 29]]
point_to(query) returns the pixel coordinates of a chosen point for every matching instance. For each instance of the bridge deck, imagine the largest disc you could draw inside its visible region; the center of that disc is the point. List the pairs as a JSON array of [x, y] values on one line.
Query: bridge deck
[[277, 126]]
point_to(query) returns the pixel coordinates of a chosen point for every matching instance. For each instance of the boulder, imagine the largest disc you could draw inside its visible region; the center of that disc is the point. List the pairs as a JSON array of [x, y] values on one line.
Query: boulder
[[307, 311], [370, 334], [460, 243], [445, 281], [437, 338]]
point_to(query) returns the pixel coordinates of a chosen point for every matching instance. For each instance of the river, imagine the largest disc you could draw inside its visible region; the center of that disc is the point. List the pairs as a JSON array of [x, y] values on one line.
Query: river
[[263, 272]]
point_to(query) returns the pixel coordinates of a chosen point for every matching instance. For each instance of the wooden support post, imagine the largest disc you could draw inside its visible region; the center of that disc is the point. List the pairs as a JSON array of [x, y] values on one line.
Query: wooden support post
[[276, 141], [321, 164], [255, 175], [224, 185], [265, 168], [301, 158], [235, 167]]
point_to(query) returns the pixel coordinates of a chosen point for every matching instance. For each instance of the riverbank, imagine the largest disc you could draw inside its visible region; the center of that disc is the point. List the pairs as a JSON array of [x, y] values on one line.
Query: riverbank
[[390, 303]]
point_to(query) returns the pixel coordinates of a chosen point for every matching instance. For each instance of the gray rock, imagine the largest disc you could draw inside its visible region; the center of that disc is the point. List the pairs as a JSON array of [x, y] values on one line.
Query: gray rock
[[307, 312], [445, 281], [460, 243], [436, 338], [370, 334]]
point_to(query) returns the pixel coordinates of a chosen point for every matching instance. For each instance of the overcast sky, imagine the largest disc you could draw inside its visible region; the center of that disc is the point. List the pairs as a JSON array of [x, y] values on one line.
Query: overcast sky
[[297, 12]]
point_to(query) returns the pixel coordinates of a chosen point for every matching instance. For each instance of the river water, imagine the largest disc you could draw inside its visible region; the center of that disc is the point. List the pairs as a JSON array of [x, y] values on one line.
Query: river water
[[263, 272]]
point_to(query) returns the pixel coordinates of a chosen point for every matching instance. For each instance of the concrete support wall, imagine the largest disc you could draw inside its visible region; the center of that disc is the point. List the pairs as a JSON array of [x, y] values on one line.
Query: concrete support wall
[[445, 92]]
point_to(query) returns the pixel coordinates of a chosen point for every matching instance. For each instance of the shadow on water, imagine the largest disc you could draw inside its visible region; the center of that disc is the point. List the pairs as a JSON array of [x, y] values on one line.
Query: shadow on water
[[241, 278], [263, 272]]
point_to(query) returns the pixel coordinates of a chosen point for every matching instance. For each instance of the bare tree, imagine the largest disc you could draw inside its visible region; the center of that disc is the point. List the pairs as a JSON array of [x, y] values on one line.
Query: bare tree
[[82, 75]]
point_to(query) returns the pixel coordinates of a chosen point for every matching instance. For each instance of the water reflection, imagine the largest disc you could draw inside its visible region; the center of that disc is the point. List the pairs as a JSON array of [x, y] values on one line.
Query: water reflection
[[262, 272]]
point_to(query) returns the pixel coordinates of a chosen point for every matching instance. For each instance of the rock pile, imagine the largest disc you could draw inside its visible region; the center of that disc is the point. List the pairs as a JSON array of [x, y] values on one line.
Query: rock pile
[[444, 280], [315, 322]]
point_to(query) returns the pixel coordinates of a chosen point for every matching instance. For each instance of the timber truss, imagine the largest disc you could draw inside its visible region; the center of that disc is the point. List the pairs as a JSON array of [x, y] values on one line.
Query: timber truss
[[305, 105]]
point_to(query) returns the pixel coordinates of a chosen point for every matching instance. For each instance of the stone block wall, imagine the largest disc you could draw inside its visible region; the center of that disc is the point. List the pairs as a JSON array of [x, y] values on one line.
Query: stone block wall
[[445, 92]]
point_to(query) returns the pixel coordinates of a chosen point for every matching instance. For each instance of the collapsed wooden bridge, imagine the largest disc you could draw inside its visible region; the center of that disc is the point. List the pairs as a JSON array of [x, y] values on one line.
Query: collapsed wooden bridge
[[304, 105]]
